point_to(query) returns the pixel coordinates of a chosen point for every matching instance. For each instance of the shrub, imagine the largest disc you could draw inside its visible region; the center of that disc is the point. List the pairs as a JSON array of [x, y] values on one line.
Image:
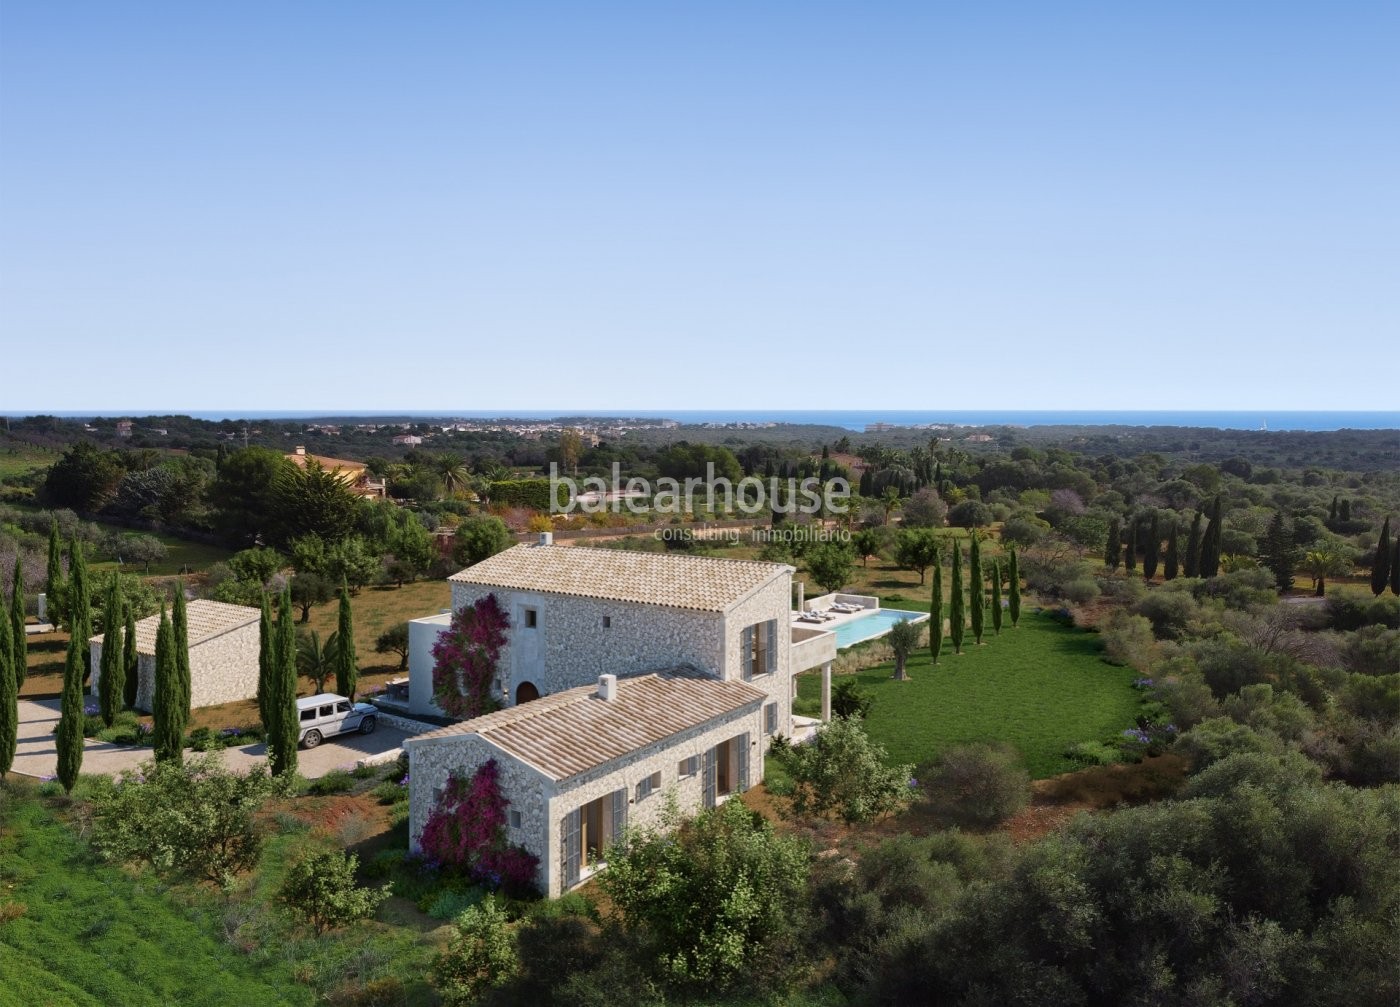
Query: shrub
[[1093, 753], [925, 509], [465, 656], [390, 792], [467, 831], [337, 781], [842, 774], [1219, 738], [321, 889], [1082, 590], [481, 955], [970, 514], [451, 903], [848, 701], [979, 784], [1127, 639]]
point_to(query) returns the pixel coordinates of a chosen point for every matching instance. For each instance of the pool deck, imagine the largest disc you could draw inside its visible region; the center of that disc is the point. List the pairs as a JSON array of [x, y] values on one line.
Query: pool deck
[[837, 619]]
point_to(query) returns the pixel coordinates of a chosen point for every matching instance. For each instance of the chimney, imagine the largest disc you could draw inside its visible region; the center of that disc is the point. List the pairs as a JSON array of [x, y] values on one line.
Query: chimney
[[607, 687], [546, 538], [301, 449]]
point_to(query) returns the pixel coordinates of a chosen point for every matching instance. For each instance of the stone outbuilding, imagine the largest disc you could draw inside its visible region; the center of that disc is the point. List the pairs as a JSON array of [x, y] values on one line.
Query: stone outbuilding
[[578, 766], [223, 654]]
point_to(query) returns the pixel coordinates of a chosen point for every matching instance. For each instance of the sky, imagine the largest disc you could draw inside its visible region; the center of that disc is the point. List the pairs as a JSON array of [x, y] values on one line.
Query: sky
[[602, 206]]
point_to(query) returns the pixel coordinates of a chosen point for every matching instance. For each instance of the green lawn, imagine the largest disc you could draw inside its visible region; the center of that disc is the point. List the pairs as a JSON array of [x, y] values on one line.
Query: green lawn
[[181, 555], [91, 935], [1040, 687]]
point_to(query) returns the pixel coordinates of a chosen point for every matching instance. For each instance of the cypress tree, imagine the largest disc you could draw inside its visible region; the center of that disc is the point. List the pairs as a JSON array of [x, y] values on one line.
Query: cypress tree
[[1210, 542], [168, 731], [282, 741], [977, 589], [80, 602], [180, 624], [1332, 511], [131, 661], [1191, 562], [54, 583], [1395, 566], [996, 597], [1172, 563], [1277, 551], [1113, 548], [265, 664], [347, 672], [20, 645], [956, 616], [1346, 510], [1130, 545], [111, 680], [1380, 566], [1013, 600], [68, 738], [935, 611], [1151, 548], [9, 699]]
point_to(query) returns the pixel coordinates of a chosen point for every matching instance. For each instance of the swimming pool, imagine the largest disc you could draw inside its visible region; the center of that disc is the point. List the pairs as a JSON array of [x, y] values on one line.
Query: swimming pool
[[872, 624]]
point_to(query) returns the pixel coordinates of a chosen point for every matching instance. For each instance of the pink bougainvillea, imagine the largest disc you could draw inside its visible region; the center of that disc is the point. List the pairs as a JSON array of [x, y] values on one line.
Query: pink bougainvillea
[[467, 832], [464, 659]]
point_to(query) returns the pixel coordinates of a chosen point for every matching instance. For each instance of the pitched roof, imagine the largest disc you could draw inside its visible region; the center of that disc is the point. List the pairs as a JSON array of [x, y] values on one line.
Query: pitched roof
[[702, 583], [574, 731], [206, 620], [329, 464]]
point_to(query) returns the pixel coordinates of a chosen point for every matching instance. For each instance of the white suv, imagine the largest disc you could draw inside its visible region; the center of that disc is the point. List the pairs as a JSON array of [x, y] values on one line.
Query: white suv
[[328, 714]]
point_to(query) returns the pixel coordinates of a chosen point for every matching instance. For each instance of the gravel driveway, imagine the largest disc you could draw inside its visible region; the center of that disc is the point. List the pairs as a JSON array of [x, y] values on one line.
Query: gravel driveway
[[37, 754]]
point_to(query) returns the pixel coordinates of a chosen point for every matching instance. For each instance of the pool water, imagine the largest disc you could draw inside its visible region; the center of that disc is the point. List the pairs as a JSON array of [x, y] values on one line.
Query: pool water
[[872, 624]]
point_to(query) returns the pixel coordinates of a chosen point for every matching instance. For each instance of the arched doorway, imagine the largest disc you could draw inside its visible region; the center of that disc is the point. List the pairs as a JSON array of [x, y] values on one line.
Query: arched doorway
[[525, 692]]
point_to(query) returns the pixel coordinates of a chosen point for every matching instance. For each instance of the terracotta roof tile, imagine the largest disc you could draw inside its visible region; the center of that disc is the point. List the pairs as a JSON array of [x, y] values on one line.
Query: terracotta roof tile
[[207, 619]]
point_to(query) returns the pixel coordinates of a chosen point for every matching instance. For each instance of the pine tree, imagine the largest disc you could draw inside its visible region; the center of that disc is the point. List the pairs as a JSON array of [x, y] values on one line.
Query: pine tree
[[935, 611], [1130, 545], [956, 616], [131, 661], [1172, 564], [180, 624], [1013, 600], [68, 738], [1210, 542], [168, 733], [1380, 566], [9, 699], [285, 728], [1191, 562], [265, 665], [996, 597], [54, 583], [1151, 548], [1277, 551], [111, 675], [347, 672], [1113, 548], [21, 638], [977, 590]]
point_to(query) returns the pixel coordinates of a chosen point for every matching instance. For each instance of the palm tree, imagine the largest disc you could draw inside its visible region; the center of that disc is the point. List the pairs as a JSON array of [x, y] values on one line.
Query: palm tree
[[889, 501], [1321, 564], [315, 661], [453, 472]]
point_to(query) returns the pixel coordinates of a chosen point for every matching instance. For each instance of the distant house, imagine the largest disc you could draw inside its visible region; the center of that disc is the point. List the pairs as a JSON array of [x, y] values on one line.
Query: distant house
[[124, 428], [356, 476], [411, 440], [625, 675], [223, 654]]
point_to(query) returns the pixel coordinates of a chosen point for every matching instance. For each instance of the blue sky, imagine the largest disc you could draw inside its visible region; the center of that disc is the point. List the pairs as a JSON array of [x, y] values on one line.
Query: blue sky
[[468, 206]]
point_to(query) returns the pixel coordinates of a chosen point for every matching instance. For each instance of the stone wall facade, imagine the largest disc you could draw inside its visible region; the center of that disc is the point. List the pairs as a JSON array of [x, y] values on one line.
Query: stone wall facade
[[543, 803], [772, 601], [223, 669]]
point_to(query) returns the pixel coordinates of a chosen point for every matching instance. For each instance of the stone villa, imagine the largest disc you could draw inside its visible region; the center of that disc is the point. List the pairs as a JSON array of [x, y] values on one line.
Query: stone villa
[[626, 675]]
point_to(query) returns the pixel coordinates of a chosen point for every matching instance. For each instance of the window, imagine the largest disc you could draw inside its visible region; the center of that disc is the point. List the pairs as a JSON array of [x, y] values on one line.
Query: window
[[309, 714], [532, 618], [758, 649], [514, 819], [607, 622], [770, 718], [649, 786], [688, 767], [343, 706], [326, 711]]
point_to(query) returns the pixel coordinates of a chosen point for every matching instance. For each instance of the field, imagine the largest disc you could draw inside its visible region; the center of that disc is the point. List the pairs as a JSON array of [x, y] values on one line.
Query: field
[[181, 555], [1040, 688], [76, 932], [18, 458]]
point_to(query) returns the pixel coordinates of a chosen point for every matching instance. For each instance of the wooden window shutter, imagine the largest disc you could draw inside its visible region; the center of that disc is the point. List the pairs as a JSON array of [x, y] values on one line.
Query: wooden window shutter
[[771, 627], [743, 742], [570, 831], [619, 813], [746, 651], [708, 786]]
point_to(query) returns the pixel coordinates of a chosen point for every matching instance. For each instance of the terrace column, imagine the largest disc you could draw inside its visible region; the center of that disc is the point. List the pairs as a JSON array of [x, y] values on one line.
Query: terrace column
[[801, 601], [826, 692]]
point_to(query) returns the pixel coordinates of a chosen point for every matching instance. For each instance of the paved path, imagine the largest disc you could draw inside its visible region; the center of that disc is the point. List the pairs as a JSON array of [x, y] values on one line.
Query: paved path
[[37, 754]]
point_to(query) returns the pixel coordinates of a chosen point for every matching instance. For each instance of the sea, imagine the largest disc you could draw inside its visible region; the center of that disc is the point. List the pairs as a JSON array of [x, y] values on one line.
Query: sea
[[857, 420]]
